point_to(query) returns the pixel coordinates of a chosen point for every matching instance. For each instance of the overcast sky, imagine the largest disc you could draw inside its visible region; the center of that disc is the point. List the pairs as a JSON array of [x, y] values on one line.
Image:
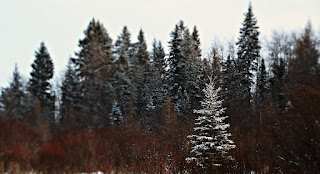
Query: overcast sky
[[60, 23]]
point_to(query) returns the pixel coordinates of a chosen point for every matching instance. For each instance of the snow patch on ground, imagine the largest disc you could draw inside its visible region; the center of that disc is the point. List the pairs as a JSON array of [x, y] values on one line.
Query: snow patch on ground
[[92, 173]]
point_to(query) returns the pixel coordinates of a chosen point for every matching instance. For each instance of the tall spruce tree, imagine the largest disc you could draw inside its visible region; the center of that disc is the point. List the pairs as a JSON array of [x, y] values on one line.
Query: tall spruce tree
[[93, 63], [177, 75], [41, 74], [248, 55], [158, 74], [173, 60], [142, 80], [95, 53], [192, 53], [119, 86]]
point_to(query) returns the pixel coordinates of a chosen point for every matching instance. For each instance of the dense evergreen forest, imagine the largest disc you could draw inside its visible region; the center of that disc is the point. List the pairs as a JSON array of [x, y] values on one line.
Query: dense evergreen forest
[[123, 109]]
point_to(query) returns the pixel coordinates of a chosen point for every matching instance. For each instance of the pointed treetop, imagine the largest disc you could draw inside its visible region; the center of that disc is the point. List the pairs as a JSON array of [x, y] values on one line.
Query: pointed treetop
[[125, 36], [195, 34], [16, 71], [95, 28], [196, 43], [42, 49], [41, 74], [42, 65], [16, 82], [158, 56], [248, 42], [187, 45], [250, 19], [181, 25], [142, 53]]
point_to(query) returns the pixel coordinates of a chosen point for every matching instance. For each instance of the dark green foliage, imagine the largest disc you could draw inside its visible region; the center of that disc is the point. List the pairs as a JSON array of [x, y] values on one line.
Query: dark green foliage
[[95, 51], [198, 68], [229, 79], [196, 43], [277, 82], [124, 50], [119, 86], [157, 78], [93, 65], [141, 79], [14, 98], [41, 74], [177, 74], [142, 50], [261, 89], [174, 59], [116, 117], [71, 96], [248, 55], [158, 57]]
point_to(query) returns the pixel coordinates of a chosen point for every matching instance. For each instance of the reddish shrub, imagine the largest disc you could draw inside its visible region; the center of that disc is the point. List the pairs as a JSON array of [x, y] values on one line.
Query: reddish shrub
[[52, 157]]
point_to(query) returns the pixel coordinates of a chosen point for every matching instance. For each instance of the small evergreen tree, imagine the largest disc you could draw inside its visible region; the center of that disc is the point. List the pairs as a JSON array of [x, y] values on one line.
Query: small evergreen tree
[[71, 96], [211, 141], [158, 57], [116, 116], [13, 97]]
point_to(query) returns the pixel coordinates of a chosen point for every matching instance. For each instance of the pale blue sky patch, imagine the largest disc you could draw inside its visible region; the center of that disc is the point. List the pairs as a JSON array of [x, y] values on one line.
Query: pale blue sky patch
[[60, 23]]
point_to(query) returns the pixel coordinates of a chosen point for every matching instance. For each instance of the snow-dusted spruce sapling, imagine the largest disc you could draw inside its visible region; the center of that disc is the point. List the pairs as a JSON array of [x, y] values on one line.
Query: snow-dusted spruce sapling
[[210, 140], [116, 115]]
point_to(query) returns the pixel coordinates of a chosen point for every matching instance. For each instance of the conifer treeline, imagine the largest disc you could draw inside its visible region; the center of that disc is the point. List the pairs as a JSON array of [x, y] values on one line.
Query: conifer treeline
[[120, 84]]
